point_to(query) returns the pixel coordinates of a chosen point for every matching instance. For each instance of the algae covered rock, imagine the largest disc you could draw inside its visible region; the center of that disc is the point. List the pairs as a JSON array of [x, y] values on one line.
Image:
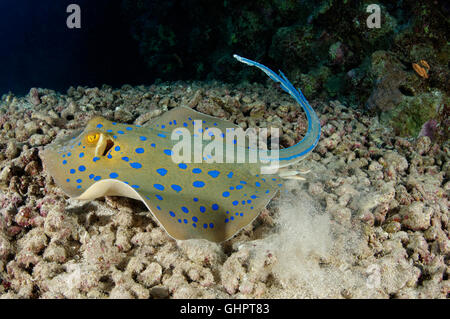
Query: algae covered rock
[[408, 117]]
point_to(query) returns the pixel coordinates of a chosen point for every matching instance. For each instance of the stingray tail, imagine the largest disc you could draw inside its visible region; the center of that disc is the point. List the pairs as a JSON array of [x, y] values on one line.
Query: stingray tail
[[296, 152]]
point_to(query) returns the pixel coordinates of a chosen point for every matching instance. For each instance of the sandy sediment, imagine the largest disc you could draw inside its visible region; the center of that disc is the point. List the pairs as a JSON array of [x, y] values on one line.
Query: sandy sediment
[[370, 221]]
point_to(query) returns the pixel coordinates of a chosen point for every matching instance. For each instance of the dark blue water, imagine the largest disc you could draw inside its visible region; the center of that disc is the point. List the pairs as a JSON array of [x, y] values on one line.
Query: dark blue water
[[38, 50]]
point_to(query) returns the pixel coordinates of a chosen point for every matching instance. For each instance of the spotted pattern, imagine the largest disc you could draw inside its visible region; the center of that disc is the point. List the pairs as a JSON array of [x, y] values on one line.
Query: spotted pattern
[[232, 201]]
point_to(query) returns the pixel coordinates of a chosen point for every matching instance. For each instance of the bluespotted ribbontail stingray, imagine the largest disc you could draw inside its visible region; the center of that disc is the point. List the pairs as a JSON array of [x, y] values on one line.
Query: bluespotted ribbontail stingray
[[190, 200]]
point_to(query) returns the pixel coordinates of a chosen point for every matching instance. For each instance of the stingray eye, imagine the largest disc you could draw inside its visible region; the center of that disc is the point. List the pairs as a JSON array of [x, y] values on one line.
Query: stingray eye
[[92, 138]]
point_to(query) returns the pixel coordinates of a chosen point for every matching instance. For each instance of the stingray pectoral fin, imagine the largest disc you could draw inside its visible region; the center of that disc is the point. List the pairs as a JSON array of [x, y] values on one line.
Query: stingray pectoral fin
[[109, 187], [52, 162]]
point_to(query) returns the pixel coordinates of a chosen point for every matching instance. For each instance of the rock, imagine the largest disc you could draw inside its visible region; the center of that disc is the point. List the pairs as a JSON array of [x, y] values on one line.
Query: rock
[[416, 216], [33, 97]]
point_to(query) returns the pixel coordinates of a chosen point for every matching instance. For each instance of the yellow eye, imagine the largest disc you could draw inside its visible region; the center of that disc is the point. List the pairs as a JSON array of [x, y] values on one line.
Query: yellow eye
[[92, 138]]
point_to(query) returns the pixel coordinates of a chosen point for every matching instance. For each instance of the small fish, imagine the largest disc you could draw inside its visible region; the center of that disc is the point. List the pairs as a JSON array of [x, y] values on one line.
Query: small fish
[[205, 200]]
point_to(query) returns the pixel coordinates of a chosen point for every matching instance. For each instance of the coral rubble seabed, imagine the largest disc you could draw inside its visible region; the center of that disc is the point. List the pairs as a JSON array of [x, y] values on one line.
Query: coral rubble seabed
[[371, 220]]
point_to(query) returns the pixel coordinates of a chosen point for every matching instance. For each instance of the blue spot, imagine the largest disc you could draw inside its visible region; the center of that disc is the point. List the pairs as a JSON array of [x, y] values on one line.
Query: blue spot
[[185, 221], [120, 132], [232, 218], [153, 145], [97, 178], [114, 123], [79, 186], [172, 214], [239, 187], [202, 209], [81, 168], [161, 135], [113, 175], [158, 187], [230, 175], [109, 131], [185, 210], [205, 226], [195, 219], [95, 159], [117, 148], [213, 174], [249, 201], [195, 199], [135, 186], [176, 188], [99, 125], [182, 166], [129, 128], [198, 184], [161, 171], [126, 159], [226, 220], [81, 155], [136, 165], [235, 202], [72, 171], [226, 194], [159, 197], [109, 156], [185, 124], [215, 207], [243, 202], [91, 176], [64, 162], [194, 225], [159, 208], [67, 180], [257, 184], [231, 188], [211, 225], [79, 181], [139, 150], [142, 138], [163, 126], [69, 154], [243, 182], [254, 196], [168, 152], [196, 171], [267, 191]]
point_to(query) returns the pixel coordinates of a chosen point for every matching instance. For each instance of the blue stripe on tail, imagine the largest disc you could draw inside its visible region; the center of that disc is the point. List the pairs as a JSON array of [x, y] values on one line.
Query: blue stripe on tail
[[313, 120]]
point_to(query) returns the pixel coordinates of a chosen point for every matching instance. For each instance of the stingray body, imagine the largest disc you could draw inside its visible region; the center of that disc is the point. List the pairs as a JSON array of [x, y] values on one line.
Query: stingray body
[[190, 200]]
